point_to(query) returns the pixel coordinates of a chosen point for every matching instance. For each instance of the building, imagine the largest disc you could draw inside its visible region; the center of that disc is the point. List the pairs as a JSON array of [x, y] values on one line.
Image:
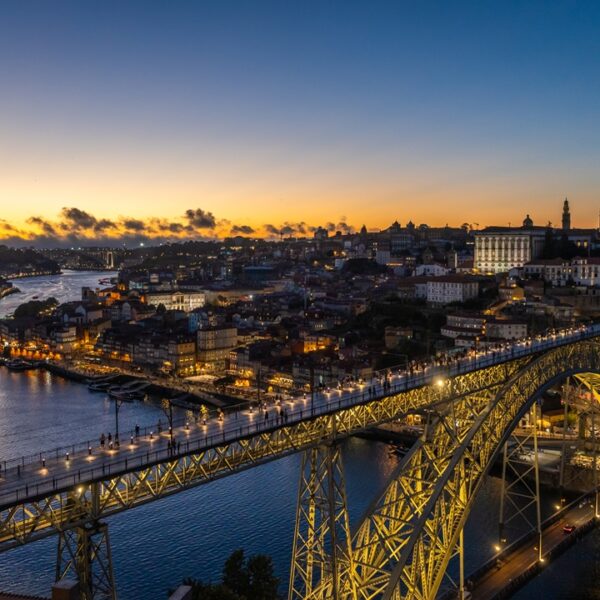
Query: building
[[431, 269], [470, 330], [552, 270], [581, 271], [586, 271], [214, 345], [500, 249], [451, 288], [566, 216], [177, 300], [181, 355], [506, 329]]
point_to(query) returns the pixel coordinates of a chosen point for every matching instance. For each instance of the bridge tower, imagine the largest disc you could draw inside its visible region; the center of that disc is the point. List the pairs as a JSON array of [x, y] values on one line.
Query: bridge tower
[[84, 554], [321, 558], [521, 482]]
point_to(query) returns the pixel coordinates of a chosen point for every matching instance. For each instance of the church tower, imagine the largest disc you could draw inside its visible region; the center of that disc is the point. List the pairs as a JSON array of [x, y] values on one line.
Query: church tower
[[566, 216]]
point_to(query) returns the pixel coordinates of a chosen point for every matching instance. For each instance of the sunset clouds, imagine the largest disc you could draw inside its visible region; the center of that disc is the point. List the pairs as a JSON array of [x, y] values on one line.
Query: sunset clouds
[[76, 226]]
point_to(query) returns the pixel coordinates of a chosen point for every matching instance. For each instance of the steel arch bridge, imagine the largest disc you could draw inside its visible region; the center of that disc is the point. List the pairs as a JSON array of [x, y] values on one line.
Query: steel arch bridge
[[403, 545]]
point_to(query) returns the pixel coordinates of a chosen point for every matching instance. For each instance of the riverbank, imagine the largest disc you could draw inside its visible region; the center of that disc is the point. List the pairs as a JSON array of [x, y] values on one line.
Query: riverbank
[[182, 394], [10, 276], [7, 290]]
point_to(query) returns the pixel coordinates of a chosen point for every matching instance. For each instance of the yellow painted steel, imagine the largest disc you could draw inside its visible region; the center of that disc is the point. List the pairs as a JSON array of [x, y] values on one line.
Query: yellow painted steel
[[29, 520], [402, 548]]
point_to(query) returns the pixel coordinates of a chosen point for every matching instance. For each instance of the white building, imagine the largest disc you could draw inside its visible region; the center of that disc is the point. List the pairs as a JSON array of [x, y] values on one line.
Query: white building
[[186, 301], [500, 249], [586, 271], [583, 271], [432, 269], [451, 288], [552, 270], [506, 329], [497, 249]]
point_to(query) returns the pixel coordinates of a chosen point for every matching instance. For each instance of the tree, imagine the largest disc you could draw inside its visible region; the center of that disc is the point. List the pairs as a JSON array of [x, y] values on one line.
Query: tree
[[242, 579], [263, 583], [34, 308], [202, 591], [235, 574]]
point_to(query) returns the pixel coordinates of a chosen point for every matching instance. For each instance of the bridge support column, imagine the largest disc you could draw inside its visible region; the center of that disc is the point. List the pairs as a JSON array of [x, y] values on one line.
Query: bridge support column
[[84, 554], [322, 554], [521, 483]]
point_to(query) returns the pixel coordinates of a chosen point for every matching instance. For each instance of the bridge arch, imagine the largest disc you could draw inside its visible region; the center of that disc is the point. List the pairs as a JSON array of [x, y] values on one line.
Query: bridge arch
[[403, 546]]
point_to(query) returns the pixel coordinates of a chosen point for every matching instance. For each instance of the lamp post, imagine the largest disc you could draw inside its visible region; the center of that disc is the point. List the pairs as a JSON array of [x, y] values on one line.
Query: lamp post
[[167, 407], [258, 384], [117, 407]]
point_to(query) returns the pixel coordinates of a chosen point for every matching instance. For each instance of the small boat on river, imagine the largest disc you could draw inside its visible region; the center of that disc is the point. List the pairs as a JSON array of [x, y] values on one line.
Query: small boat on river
[[20, 365]]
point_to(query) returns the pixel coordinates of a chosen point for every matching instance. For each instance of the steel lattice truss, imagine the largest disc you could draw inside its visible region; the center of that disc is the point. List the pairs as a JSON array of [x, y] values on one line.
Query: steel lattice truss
[[38, 517], [322, 533], [84, 554], [402, 548]]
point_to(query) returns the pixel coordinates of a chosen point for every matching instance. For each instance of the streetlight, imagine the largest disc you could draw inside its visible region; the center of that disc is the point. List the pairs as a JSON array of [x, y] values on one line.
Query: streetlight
[[167, 407], [117, 407]]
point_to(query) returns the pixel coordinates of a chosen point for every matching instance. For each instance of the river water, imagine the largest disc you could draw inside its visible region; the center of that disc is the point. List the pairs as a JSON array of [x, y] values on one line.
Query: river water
[[191, 533], [65, 288]]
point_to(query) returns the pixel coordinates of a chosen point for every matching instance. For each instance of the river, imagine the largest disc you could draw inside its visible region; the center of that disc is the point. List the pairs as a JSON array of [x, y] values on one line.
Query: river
[[65, 288], [191, 533]]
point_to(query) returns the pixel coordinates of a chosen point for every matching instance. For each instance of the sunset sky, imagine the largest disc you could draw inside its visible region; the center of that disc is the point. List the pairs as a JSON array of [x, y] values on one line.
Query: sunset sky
[[202, 118]]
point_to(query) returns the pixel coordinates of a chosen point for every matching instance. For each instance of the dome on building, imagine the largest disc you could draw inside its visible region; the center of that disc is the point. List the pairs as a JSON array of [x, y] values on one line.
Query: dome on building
[[527, 222]]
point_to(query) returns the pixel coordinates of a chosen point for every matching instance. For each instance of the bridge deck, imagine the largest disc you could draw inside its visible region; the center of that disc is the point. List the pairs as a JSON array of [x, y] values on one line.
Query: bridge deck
[[26, 478]]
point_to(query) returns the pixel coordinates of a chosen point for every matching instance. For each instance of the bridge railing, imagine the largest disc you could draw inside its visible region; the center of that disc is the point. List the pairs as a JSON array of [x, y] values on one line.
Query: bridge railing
[[403, 381]]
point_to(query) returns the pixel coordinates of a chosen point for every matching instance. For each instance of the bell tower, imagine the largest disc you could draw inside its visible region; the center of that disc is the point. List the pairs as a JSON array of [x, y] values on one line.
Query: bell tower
[[566, 216]]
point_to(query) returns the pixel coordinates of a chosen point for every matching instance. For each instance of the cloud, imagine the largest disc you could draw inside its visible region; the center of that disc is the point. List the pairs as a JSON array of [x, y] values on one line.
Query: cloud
[[341, 226], [77, 227], [46, 227], [200, 219], [104, 225], [242, 229], [75, 218], [271, 229], [133, 224]]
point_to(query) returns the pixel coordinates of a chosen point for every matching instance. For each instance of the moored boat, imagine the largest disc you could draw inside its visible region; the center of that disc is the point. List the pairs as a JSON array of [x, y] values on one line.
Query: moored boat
[[19, 365]]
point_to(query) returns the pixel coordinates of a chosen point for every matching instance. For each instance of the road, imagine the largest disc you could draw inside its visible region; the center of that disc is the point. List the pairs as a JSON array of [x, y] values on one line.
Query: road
[[519, 561]]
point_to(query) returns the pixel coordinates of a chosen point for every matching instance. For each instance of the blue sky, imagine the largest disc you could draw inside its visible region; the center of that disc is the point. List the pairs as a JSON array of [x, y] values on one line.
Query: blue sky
[[261, 112]]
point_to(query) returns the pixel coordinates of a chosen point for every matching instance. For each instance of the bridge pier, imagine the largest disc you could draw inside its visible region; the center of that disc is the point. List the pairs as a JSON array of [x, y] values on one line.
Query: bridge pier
[[322, 551], [519, 495], [84, 553], [84, 550]]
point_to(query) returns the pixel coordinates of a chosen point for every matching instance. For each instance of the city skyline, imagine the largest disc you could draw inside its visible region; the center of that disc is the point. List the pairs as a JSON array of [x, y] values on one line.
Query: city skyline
[[271, 114], [75, 226]]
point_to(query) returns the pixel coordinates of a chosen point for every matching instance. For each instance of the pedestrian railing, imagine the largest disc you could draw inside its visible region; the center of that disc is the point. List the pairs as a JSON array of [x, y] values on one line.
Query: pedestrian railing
[[130, 456]]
